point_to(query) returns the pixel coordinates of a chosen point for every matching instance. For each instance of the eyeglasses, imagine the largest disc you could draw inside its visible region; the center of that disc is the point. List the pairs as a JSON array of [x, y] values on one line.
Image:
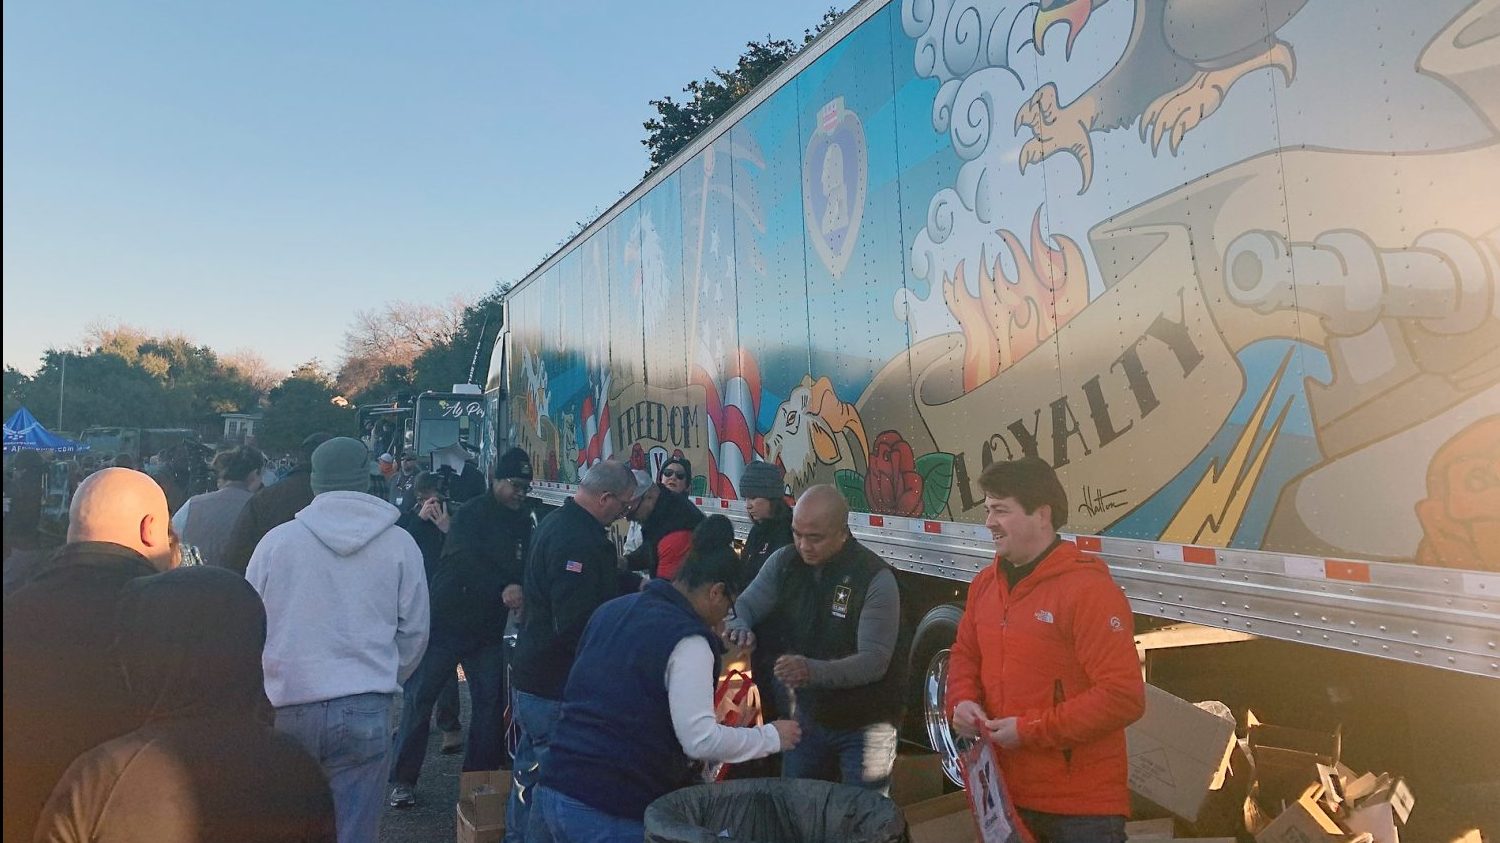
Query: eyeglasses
[[674, 475]]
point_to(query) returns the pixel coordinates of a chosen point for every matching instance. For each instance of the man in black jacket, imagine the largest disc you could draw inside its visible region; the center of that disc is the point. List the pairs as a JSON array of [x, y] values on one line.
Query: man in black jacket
[[64, 693], [473, 587], [271, 507], [426, 516], [570, 572]]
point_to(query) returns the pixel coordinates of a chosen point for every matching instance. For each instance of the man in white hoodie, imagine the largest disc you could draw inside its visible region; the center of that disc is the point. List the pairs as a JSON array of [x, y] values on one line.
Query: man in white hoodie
[[346, 623]]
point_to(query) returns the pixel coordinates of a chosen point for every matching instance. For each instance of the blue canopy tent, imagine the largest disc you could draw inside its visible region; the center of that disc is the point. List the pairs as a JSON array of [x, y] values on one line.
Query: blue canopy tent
[[24, 433]]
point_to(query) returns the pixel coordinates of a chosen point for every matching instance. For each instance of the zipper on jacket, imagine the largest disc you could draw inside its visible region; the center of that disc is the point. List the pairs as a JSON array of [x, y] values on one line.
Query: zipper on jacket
[[1057, 699]]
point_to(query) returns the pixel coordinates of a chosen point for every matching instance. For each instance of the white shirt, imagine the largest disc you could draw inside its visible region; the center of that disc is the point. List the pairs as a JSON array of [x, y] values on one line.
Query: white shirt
[[690, 698]]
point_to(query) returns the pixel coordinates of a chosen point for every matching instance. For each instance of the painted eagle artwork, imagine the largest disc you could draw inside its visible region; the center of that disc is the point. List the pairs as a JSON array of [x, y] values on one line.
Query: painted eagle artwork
[[1181, 60]]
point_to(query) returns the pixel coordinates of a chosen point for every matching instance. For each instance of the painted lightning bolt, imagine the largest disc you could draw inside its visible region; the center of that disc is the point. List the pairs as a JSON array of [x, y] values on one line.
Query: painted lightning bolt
[[1216, 506]]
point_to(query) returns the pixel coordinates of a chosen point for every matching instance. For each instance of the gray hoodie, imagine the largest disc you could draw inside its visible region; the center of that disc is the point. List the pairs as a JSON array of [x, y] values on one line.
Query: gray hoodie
[[346, 601]]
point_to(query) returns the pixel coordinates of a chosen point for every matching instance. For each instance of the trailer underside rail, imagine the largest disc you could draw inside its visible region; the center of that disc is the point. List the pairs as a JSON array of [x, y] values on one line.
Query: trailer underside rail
[[1438, 617]]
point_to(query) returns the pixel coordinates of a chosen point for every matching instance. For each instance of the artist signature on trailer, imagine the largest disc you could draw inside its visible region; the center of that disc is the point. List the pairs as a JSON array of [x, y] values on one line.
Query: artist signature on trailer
[[1096, 501]]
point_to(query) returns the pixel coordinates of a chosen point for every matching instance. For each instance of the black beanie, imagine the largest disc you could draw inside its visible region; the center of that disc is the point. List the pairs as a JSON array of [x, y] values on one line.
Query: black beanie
[[513, 465]]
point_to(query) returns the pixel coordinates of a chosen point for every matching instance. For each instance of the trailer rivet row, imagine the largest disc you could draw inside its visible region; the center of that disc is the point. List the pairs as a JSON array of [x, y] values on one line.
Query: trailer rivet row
[[1430, 616]]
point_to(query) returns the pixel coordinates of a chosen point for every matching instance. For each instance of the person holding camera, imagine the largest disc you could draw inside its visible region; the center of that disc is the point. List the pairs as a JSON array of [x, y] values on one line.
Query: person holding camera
[[474, 585], [427, 518]]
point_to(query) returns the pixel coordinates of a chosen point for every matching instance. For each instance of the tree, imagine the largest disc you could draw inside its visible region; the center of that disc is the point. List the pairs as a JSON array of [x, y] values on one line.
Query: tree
[[122, 376], [15, 386], [447, 363], [254, 369], [306, 402], [394, 336], [676, 124], [101, 389]]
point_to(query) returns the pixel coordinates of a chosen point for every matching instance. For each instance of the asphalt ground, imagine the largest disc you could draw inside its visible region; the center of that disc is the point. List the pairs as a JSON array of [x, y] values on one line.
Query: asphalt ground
[[432, 819]]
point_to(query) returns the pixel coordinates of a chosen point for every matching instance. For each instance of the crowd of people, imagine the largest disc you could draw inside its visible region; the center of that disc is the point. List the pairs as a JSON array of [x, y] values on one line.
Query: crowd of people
[[251, 697]]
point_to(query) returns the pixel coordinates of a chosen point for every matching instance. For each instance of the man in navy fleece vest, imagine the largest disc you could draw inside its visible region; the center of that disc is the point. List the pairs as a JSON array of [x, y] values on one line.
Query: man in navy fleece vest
[[638, 708]]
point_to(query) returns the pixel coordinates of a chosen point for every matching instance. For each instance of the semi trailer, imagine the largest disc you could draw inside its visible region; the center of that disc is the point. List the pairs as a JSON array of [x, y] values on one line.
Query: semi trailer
[[1229, 267]]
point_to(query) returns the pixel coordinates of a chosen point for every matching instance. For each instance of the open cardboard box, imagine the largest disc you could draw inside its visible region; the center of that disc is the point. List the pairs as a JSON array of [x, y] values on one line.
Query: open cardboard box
[[480, 813], [1287, 759], [1303, 821], [1177, 752], [469, 832]]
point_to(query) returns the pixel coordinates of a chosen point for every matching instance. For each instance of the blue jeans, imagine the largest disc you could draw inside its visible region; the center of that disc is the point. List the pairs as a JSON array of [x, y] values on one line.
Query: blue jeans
[[863, 756], [1067, 828], [351, 738], [562, 819], [536, 716], [484, 668]]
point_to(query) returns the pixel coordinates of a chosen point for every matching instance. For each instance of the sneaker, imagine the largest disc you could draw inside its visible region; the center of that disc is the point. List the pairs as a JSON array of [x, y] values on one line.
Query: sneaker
[[453, 742], [402, 797]]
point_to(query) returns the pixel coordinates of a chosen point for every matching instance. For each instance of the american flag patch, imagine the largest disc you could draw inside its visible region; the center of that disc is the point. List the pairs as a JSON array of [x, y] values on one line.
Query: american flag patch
[[574, 566]]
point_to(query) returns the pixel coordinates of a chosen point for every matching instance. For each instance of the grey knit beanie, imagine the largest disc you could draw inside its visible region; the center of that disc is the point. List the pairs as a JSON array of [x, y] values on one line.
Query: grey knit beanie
[[341, 465], [762, 480]]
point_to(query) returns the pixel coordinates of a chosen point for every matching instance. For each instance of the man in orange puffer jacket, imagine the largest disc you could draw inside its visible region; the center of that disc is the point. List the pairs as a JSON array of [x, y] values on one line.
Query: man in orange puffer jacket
[[1045, 663]]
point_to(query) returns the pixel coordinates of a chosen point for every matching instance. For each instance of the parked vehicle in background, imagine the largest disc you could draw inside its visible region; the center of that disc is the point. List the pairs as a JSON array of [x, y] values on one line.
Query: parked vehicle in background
[[428, 422], [138, 443]]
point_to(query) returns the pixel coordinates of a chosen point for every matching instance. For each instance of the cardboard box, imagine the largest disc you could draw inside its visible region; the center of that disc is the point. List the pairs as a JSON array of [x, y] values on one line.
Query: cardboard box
[[1380, 809], [1161, 829], [944, 819], [494, 780], [470, 832], [482, 797], [1287, 759], [916, 777], [1177, 751], [1303, 821]]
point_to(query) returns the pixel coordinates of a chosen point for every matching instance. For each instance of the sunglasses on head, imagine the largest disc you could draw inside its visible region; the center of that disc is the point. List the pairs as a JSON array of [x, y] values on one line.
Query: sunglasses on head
[[676, 475]]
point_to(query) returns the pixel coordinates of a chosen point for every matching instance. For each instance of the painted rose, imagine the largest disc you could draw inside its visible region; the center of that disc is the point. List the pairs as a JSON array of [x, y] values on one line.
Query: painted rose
[[892, 485]]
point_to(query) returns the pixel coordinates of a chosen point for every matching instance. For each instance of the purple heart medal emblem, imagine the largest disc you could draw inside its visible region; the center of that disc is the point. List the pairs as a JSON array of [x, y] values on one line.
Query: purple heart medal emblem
[[834, 174]]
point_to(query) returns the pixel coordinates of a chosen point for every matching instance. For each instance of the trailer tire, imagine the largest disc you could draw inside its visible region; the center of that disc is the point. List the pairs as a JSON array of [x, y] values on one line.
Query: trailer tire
[[928, 669]]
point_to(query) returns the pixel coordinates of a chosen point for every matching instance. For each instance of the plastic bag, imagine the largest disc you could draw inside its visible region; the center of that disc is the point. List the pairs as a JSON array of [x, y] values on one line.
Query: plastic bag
[[736, 703], [774, 810]]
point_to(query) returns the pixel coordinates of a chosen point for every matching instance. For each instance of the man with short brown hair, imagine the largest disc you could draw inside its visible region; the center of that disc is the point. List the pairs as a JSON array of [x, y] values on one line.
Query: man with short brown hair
[[1056, 683]]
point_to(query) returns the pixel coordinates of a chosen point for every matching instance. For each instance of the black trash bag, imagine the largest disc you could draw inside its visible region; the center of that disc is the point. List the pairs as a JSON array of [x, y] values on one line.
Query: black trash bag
[[775, 811]]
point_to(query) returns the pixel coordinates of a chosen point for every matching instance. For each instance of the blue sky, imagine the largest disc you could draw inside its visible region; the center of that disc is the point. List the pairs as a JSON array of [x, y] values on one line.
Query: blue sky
[[250, 174]]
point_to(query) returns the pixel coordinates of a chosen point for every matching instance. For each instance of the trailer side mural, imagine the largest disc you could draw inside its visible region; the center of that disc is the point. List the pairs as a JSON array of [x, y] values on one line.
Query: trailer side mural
[[1229, 267]]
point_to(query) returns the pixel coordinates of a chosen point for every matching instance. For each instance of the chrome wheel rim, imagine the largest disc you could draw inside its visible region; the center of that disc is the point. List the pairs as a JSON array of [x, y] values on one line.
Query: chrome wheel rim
[[939, 734]]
